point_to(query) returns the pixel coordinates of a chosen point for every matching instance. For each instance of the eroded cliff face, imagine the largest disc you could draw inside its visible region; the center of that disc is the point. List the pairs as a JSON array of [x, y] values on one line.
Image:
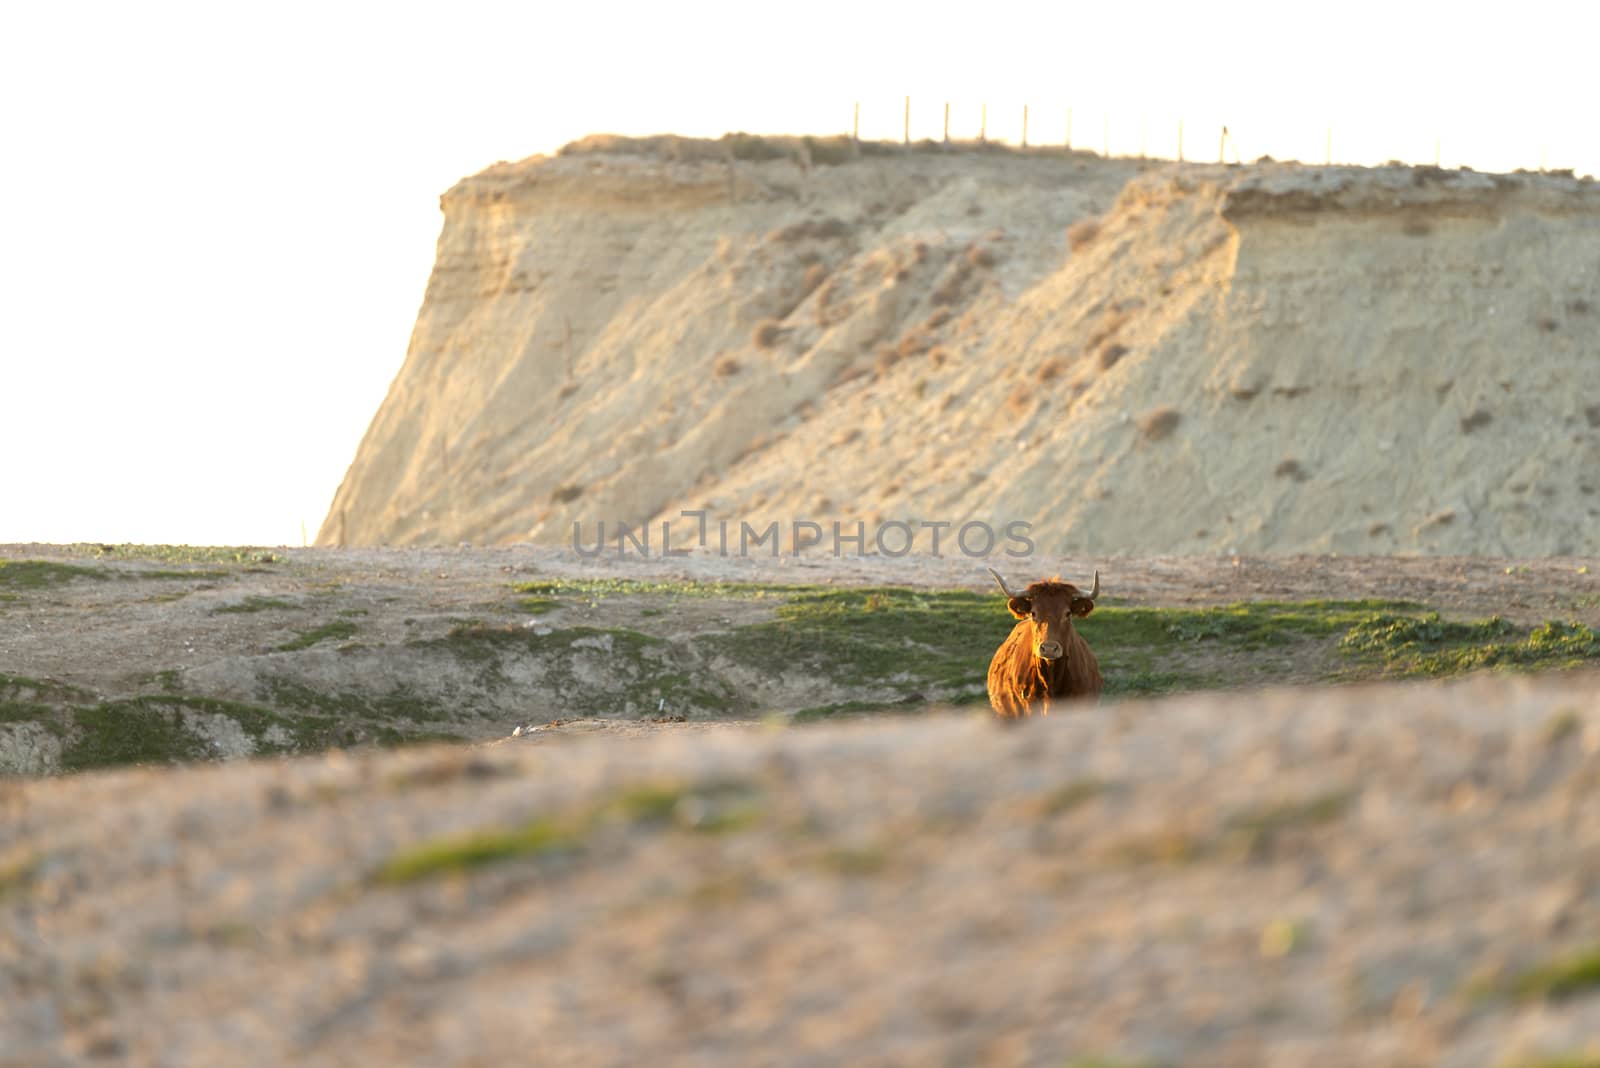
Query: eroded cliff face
[[1269, 358]]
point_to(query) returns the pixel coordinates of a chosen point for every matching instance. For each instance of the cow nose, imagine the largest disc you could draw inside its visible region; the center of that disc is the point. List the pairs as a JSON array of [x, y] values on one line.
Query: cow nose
[[1050, 650]]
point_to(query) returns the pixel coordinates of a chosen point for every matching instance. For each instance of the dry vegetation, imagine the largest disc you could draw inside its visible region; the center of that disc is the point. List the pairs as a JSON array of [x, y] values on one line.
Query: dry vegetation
[[767, 334], [1049, 371], [1081, 233], [1159, 423]]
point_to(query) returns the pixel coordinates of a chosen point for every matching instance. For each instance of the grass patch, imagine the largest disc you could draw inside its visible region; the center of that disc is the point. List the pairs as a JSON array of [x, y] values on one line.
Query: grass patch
[[1575, 973], [153, 730], [936, 645], [320, 719], [877, 636], [43, 574], [32, 575], [1247, 625], [167, 573], [1561, 1060], [335, 631], [136, 731], [446, 856], [1430, 646], [44, 691], [597, 589], [539, 604], [24, 712], [1123, 683], [1070, 796], [911, 704], [1258, 828], [180, 554], [16, 872], [254, 604], [854, 861], [714, 807]]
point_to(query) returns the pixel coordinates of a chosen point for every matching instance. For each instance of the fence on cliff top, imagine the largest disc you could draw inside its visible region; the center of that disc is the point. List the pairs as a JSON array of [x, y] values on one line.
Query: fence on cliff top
[[1209, 138]]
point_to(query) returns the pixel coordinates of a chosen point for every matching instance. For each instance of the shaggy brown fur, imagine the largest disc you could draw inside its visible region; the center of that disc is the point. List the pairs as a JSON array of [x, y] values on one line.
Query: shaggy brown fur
[[1024, 683]]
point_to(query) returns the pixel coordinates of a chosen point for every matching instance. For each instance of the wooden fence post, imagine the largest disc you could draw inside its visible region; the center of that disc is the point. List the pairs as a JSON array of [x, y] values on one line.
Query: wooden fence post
[[1069, 129], [855, 128], [1222, 146], [1180, 140], [947, 122], [1024, 126], [983, 124], [908, 120]]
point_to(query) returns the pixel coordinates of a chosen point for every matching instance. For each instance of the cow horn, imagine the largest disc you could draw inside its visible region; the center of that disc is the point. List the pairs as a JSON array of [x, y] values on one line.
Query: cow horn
[[1006, 589], [1095, 593]]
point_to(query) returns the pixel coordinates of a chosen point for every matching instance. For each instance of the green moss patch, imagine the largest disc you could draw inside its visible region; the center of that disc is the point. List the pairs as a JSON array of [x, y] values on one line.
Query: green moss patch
[[20, 688], [255, 604], [33, 575], [463, 853], [43, 574], [335, 631], [1575, 973], [713, 807], [1431, 646]]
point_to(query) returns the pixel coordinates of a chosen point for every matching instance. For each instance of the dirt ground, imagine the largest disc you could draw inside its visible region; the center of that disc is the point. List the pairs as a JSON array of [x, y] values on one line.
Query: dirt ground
[[411, 592], [1376, 875], [1402, 875]]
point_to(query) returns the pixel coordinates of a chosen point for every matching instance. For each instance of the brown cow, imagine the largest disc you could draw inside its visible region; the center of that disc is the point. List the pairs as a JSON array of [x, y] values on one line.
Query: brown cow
[[1044, 661]]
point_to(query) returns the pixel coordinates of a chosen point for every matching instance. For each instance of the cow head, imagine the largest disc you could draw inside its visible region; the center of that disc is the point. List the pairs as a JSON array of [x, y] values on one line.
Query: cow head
[[1049, 607]]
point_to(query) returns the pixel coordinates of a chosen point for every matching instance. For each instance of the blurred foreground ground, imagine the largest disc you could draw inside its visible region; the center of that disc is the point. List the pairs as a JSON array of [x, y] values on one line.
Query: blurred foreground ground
[[1395, 875]]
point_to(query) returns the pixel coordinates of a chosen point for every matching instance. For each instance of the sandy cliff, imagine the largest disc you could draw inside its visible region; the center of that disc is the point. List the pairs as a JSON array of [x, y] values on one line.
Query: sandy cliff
[[1266, 358]]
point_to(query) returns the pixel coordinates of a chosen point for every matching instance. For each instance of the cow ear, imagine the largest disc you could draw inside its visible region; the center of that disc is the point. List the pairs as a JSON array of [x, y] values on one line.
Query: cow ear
[[1082, 606], [1020, 607]]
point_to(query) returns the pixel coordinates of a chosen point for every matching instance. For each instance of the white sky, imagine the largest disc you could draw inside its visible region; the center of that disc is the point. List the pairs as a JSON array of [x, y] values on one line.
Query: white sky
[[219, 218]]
